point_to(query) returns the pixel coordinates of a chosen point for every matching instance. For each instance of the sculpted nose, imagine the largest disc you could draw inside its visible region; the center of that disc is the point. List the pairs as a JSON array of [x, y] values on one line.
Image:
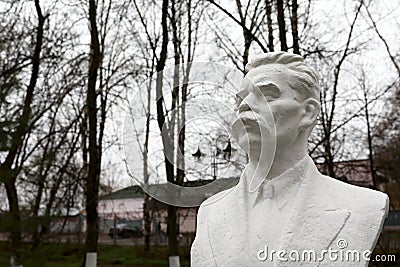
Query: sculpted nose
[[244, 107], [248, 103]]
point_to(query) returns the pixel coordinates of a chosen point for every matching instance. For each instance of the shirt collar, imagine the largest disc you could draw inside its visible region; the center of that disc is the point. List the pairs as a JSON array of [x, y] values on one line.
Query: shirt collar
[[283, 188]]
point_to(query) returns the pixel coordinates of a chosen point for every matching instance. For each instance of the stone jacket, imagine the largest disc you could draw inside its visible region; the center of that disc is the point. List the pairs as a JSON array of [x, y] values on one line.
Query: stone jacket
[[328, 215]]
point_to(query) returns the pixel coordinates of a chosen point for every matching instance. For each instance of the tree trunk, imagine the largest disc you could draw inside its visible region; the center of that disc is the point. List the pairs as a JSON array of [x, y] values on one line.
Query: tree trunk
[[146, 211], [369, 138], [281, 25], [92, 182], [268, 4], [147, 223], [329, 160], [294, 23], [169, 168], [15, 217]]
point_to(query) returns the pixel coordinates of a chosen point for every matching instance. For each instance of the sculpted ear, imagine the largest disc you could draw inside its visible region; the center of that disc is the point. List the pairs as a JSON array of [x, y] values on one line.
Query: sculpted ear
[[311, 111]]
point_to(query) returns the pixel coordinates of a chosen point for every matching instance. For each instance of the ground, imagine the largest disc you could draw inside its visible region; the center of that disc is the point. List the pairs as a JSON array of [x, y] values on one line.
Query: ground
[[71, 255], [127, 254]]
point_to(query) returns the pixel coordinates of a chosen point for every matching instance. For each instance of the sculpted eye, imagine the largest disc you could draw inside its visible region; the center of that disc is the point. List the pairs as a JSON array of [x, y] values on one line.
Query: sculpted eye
[[270, 97], [270, 91]]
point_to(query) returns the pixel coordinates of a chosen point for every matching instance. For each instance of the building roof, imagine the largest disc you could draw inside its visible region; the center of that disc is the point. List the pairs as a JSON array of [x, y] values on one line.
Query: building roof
[[128, 192], [162, 190]]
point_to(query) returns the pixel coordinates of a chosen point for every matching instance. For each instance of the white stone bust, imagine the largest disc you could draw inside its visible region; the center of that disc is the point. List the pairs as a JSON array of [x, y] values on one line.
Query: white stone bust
[[296, 211]]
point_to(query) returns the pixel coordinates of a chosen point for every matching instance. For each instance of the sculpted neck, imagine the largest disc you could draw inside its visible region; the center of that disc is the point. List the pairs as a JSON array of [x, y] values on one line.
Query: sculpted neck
[[285, 158]]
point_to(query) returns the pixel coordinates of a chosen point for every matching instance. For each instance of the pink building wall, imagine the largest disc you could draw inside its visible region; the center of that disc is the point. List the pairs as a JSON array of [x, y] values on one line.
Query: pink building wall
[[132, 209]]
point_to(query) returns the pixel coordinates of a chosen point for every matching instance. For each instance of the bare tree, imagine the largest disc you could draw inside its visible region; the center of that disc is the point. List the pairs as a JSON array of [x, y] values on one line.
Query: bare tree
[[375, 27], [255, 19], [92, 180], [328, 107], [251, 14], [108, 73], [8, 170]]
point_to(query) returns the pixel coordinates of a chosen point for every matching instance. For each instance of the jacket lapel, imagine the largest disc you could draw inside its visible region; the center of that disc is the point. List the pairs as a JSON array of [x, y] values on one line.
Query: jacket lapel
[[231, 247], [315, 222]]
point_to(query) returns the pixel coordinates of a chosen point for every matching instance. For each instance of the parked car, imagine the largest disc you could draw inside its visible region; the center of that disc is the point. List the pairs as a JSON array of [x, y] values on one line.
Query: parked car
[[123, 230]]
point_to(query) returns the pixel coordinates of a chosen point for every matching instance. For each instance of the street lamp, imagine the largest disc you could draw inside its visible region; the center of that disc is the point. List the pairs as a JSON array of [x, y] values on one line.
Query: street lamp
[[226, 154]]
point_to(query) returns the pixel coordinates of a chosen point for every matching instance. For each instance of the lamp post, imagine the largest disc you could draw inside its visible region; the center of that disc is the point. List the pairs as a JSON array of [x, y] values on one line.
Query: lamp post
[[216, 153]]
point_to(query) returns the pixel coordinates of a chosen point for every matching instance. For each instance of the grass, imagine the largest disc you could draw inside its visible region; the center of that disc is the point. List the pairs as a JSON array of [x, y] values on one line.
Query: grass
[[71, 255]]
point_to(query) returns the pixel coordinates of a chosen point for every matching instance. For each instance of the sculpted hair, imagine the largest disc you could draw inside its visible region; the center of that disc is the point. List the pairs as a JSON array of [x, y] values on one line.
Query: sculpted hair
[[302, 78]]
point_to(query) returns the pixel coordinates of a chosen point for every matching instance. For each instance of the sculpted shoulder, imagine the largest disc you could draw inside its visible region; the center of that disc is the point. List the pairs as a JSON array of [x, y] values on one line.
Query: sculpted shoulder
[[220, 201], [356, 198], [368, 210], [220, 198]]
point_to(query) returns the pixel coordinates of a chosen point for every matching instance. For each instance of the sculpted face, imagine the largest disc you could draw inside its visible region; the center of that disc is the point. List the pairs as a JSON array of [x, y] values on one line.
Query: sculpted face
[[268, 83]]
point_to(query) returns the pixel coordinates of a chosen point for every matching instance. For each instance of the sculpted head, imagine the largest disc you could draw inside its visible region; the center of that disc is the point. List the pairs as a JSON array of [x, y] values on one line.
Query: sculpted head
[[291, 89], [300, 77]]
